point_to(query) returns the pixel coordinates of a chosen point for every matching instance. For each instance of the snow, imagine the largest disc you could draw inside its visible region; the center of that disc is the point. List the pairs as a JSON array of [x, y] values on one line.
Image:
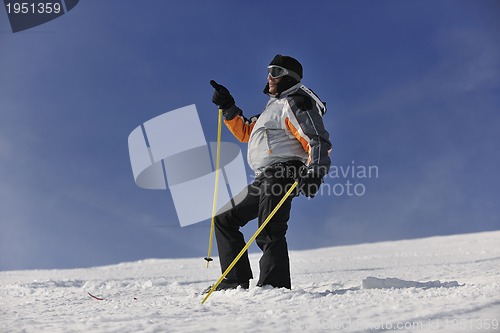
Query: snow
[[376, 283], [450, 284]]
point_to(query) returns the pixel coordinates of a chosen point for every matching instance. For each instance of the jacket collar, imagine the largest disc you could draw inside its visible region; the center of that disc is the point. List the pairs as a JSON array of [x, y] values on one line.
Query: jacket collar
[[287, 92]]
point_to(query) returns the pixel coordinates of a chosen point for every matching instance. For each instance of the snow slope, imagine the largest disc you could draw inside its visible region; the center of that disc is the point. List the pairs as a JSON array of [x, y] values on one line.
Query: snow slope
[[450, 284]]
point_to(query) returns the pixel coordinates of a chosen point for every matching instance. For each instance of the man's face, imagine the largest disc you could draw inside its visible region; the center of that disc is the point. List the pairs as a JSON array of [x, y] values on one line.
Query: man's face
[[273, 83]]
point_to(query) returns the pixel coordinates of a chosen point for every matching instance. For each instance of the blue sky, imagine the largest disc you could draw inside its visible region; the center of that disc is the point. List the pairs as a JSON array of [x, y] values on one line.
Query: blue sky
[[412, 88]]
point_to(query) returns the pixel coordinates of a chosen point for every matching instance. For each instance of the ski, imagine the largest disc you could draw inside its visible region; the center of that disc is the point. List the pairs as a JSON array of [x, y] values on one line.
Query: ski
[[97, 298], [101, 298]]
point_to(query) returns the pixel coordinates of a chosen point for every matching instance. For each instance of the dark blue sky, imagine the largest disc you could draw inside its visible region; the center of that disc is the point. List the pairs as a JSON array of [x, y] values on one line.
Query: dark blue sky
[[412, 88]]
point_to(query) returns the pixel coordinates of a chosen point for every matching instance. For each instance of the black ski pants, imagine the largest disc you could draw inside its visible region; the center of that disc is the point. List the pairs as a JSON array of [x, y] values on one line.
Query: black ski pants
[[257, 200]]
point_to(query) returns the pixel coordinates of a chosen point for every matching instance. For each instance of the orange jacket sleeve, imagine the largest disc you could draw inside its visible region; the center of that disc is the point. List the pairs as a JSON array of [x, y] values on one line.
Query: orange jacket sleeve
[[241, 127]]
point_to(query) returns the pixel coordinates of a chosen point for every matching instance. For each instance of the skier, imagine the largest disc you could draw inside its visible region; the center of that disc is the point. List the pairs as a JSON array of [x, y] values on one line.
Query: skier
[[285, 140]]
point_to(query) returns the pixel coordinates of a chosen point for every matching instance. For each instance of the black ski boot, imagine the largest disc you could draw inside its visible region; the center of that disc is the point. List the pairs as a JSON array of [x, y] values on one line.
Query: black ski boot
[[227, 285]]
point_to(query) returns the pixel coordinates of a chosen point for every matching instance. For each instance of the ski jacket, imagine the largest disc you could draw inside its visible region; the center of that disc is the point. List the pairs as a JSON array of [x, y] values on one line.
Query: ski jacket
[[290, 128]]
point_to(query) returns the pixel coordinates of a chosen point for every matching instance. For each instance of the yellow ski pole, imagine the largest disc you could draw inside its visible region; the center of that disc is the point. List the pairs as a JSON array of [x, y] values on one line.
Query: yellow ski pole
[[216, 188], [247, 245]]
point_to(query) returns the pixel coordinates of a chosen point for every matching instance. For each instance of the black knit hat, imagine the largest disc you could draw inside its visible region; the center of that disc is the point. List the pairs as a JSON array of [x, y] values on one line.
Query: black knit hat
[[289, 63], [287, 81]]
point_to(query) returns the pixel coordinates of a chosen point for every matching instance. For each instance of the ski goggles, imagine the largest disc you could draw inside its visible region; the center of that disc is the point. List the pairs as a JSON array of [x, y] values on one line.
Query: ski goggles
[[277, 71]]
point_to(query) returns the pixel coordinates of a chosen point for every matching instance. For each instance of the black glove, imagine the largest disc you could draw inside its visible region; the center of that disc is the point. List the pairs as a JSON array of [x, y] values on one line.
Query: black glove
[[295, 169], [309, 184], [222, 98]]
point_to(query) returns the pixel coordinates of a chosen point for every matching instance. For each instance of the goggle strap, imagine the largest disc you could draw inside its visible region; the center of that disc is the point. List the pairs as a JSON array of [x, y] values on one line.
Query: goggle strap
[[294, 75]]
